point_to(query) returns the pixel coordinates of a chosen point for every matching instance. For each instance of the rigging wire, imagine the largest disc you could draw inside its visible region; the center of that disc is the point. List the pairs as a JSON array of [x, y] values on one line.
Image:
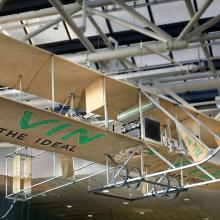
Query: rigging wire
[[9, 210]]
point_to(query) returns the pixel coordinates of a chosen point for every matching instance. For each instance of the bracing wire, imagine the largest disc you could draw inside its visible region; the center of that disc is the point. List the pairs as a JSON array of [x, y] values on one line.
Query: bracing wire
[[9, 210]]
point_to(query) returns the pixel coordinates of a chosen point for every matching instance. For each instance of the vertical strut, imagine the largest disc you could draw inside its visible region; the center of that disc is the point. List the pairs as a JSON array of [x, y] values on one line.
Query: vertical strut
[[6, 179], [107, 172], [54, 164], [105, 103], [52, 82], [20, 86], [181, 171], [141, 116], [142, 131]]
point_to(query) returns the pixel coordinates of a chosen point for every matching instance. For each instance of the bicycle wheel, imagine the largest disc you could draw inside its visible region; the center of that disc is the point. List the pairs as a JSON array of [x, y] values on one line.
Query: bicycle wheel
[[174, 183], [161, 186], [120, 175], [133, 173]]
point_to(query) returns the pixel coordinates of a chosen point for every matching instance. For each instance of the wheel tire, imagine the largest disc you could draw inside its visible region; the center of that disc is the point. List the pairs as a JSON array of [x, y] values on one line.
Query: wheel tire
[[131, 172], [161, 191], [120, 175], [174, 182]]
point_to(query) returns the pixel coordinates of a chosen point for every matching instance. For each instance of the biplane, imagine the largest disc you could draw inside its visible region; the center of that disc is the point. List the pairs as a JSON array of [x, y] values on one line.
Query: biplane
[[148, 141]]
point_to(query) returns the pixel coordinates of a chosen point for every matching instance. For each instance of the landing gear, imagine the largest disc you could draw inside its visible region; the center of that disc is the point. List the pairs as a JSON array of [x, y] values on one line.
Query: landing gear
[[175, 187], [161, 186], [120, 175], [168, 186], [134, 172]]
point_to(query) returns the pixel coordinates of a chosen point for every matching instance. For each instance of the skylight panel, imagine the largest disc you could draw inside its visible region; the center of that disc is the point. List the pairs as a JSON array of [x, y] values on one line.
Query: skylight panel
[[216, 47], [212, 10], [13, 29], [90, 29], [150, 60], [143, 11], [101, 23], [171, 12], [55, 33], [188, 54], [125, 16]]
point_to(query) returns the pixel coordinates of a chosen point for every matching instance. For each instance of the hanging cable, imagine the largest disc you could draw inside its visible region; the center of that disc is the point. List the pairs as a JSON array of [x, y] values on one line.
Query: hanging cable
[[199, 56], [9, 210]]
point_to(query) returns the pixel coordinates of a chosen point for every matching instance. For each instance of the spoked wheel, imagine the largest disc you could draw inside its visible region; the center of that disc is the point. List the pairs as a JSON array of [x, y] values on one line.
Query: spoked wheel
[[161, 186], [133, 173], [120, 175], [174, 187]]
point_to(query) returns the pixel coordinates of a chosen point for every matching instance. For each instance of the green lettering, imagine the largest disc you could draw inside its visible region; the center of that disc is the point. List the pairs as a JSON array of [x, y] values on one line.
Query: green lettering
[[150, 152], [83, 136], [57, 129], [216, 173], [194, 171], [197, 151], [189, 140], [206, 177], [178, 164], [83, 132], [25, 121]]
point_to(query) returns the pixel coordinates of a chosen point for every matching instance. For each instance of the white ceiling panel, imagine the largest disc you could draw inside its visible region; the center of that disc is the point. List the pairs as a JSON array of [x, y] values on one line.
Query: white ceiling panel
[[188, 54], [129, 18], [216, 48], [14, 29], [170, 12], [90, 30], [212, 10], [150, 60], [53, 34]]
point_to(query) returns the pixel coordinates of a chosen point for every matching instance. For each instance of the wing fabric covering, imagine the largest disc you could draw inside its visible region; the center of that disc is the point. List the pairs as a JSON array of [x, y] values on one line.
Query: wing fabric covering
[[34, 72], [24, 125], [66, 166], [27, 126], [197, 150]]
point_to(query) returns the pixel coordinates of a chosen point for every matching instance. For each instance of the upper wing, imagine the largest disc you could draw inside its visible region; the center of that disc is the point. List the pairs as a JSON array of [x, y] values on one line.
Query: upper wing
[[33, 68]]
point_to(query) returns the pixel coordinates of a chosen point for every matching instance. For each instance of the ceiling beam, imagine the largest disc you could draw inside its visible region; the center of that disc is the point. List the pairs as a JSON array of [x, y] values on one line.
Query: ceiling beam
[[122, 37], [127, 24], [72, 25], [197, 31], [142, 19], [15, 7], [194, 19], [75, 8]]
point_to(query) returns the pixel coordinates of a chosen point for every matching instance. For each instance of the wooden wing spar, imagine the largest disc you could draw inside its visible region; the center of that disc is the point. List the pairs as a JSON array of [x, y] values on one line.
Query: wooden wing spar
[[29, 68]]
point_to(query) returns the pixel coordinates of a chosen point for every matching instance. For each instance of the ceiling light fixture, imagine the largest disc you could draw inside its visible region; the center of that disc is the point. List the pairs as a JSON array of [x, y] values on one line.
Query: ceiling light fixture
[[69, 206], [90, 216], [105, 191], [141, 213], [186, 199], [125, 203]]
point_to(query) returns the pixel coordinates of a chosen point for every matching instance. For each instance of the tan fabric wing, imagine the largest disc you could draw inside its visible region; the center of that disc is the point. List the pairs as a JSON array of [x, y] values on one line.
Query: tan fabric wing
[[66, 166], [24, 125], [197, 151]]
